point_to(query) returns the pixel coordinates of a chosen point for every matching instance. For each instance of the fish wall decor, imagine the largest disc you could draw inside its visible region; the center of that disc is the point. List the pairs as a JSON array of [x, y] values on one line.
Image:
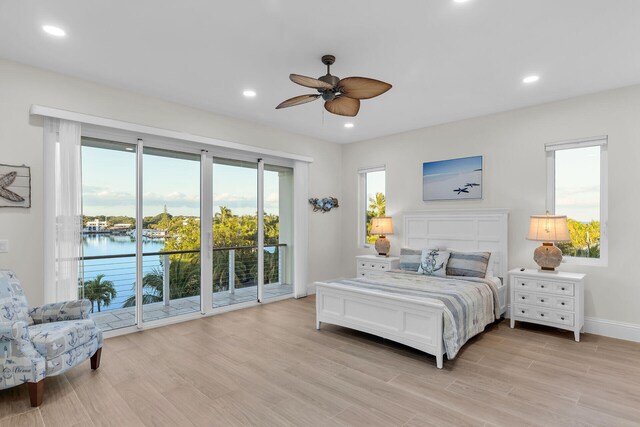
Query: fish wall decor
[[15, 186]]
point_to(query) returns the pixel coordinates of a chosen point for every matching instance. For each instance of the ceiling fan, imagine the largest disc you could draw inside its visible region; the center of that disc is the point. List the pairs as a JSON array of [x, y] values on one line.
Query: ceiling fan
[[341, 96]]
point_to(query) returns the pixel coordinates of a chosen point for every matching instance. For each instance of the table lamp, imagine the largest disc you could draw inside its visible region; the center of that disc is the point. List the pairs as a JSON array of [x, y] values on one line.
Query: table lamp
[[381, 226], [548, 229]]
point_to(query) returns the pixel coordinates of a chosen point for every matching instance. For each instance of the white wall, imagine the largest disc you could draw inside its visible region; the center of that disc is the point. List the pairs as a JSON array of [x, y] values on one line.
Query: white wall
[[21, 143], [512, 144]]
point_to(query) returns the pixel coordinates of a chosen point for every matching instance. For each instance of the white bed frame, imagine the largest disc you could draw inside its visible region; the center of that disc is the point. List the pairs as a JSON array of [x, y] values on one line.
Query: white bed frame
[[418, 324]]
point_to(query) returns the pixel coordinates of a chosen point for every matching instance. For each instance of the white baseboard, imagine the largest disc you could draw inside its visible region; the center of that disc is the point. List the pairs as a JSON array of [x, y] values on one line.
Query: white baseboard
[[612, 329], [607, 328]]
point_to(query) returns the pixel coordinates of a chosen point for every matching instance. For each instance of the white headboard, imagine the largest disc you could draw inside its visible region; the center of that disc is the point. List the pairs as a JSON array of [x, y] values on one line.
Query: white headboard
[[463, 229]]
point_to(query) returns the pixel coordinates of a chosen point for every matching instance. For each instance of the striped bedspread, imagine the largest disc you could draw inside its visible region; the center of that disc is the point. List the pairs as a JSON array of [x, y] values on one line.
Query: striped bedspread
[[469, 304]]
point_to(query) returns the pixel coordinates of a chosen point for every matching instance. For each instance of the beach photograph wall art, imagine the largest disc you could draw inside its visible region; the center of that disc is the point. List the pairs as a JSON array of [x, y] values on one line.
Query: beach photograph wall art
[[454, 179]]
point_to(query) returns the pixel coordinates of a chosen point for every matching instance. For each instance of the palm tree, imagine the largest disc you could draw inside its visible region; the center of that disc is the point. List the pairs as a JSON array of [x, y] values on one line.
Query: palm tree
[[99, 291], [378, 205], [184, 281]]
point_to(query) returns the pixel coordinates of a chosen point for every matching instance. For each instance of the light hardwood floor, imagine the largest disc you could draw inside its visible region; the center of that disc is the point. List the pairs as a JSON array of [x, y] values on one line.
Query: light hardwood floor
[[269, 366]]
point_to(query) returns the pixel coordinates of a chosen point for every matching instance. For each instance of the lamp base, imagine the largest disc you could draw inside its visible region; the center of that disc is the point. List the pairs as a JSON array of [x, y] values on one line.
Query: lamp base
[[547, 256], [383, 245]]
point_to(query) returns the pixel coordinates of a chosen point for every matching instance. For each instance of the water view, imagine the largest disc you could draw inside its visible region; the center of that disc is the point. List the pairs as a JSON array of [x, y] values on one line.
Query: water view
[[120, 271]]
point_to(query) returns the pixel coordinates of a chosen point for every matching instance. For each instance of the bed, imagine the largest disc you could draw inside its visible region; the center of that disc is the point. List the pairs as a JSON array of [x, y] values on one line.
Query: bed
[[392, 306]]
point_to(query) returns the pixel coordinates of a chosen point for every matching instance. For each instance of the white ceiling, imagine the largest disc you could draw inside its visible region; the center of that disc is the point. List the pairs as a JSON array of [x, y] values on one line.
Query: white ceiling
[[446, 60]]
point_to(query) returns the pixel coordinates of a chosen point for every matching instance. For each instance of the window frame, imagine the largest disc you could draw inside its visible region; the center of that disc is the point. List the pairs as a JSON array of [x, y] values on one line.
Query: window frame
[[602, 142], [363, 202]]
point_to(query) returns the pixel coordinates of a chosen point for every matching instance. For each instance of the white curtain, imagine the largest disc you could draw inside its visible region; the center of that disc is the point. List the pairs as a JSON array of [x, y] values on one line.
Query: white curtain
[[63, 209]]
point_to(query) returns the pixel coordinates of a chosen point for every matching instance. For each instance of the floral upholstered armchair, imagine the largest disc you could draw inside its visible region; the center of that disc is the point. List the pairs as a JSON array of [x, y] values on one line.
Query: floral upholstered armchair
[[42, 341]]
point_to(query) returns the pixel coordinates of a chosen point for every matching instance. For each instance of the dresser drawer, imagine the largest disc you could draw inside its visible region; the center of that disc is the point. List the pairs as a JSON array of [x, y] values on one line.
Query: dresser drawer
[[370, 273], [373, 265], [540, 313], [526, 284], [555, 287], [544, 300], [564, 318], [524, 311], [561, 303]]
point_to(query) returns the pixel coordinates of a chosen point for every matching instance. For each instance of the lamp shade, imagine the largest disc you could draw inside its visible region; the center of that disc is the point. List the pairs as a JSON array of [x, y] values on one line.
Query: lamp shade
[[549, 228], [381, 225]]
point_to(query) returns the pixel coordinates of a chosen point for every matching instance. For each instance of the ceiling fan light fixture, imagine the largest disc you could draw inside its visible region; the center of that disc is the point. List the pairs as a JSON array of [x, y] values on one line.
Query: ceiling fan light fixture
[[328, 96], [340, 96], [54, 31]]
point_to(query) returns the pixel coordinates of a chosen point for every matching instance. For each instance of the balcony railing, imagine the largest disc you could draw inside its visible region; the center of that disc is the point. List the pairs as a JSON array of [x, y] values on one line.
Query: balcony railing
[[172, 275]]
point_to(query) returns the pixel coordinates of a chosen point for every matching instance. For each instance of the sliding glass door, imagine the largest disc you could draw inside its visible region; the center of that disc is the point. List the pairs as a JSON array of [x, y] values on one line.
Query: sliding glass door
[[235, 232], [108, 268], [171, 229], [144, 259], [278, 231]]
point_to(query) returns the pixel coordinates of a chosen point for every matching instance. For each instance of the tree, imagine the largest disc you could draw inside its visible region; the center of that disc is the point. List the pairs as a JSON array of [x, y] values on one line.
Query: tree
[[184, 281], [585, 239], [377, 207], [99, 291]]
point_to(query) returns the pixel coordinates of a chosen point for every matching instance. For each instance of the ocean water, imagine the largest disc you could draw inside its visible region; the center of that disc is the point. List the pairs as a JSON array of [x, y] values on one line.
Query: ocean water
[[121, 271]]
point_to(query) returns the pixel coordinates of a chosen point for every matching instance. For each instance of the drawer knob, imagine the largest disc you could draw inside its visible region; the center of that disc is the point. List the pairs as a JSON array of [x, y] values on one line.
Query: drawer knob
[[562, 304], [523, 298], [522, 311], [562, 318], [382, 266], [563, 289], [542, 286], [541, 314], [541, 300], [372, 265], [522, 284]]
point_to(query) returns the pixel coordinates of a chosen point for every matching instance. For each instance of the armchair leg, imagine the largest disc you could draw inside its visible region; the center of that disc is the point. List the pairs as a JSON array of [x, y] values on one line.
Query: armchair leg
[[36, 391], [95, 359]]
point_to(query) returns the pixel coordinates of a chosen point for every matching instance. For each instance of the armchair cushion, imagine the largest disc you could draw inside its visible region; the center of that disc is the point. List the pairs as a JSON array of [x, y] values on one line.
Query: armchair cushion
[[13, 303], [19, 360], [53, 339], [60, 311]]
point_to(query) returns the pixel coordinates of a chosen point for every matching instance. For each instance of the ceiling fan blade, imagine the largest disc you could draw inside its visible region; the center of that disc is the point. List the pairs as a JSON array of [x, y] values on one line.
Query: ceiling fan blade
[[297, 100], [362, 87], [343, 106], [309, 82]]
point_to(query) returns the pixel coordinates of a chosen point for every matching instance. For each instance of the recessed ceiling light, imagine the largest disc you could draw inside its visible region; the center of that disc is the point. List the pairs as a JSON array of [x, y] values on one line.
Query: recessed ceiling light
[[348, 125], [531, 79], [249, 93], [54, 31]]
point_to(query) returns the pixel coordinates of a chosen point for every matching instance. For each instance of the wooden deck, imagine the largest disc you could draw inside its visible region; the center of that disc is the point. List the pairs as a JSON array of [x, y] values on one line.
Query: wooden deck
[[123, 317], [268, 365]]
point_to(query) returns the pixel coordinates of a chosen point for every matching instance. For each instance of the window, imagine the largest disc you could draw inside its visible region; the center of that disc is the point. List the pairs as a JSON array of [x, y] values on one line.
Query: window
[[577, 188], [372, 201]]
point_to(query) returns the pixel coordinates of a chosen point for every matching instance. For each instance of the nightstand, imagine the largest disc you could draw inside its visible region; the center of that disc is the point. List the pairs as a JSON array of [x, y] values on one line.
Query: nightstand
[[548, 298], [375, 266]]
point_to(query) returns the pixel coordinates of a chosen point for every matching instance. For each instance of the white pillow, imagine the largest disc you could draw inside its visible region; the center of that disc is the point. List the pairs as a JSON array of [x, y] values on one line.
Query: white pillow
[[433, 262]]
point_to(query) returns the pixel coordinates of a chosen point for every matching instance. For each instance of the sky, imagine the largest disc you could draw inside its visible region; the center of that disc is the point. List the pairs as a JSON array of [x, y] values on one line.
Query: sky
[[109, 185], [375, 184], [578, 183], [466, 164]]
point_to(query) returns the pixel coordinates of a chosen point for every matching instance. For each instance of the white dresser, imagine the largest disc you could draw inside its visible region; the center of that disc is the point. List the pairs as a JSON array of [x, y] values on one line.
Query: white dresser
[[373, 265], [548, 298]]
